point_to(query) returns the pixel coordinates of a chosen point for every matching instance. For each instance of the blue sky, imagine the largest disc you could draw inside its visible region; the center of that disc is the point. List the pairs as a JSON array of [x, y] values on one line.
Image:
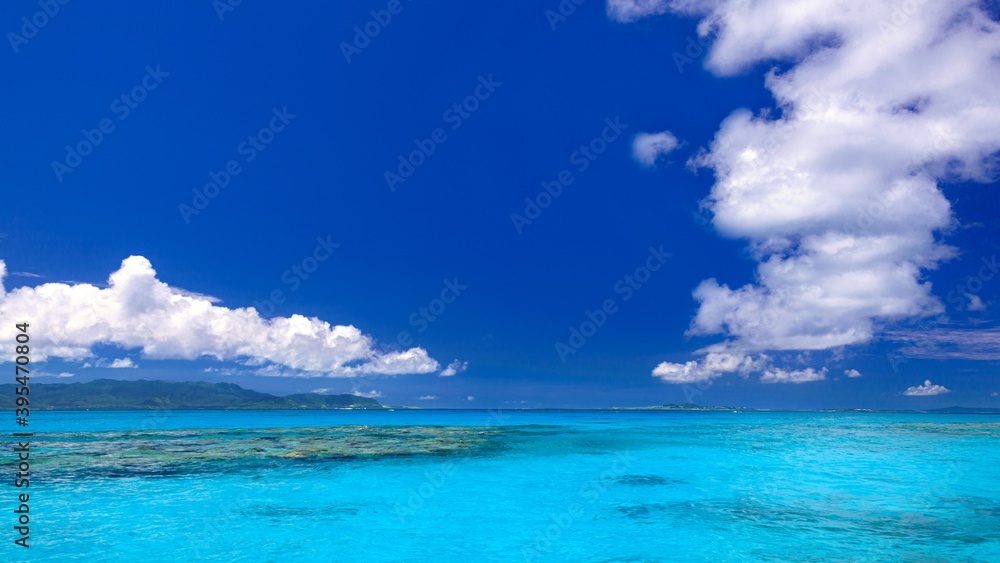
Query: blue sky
[[309, 136]]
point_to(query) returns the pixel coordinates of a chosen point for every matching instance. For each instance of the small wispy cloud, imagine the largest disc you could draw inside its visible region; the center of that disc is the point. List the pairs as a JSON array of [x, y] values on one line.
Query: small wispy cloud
[[648, 147], [373, 394], [322, 390], [949, 343], [117, 363], [928, 389], [275, 370], [852, 373], [454, 368], [223, 371], [630, 10], [427, 398], [62, 375], [778, 375], [26, 275], [975, 303]]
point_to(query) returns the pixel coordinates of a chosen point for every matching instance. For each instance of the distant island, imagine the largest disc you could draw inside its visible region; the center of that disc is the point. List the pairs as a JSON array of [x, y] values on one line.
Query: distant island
[[684, 407], [113, 394], [694, 407]]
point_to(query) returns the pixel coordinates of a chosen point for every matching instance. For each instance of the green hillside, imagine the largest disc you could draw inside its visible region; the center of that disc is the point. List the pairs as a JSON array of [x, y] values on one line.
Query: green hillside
[[116, 394]]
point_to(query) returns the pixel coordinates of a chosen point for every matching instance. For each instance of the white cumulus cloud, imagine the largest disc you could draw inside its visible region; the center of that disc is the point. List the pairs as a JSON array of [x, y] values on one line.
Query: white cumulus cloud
[[928, 389], [852, 373], [137, 310], [648, 147], [373, 394], [713, 365], [123, 363], [836, 190]]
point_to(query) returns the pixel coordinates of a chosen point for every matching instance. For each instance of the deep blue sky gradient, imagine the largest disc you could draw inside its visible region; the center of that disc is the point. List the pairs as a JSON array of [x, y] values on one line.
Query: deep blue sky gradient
[[323, 176]]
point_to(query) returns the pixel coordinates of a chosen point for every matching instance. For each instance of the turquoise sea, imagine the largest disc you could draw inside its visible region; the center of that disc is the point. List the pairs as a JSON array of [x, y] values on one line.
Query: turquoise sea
[[509, 486]]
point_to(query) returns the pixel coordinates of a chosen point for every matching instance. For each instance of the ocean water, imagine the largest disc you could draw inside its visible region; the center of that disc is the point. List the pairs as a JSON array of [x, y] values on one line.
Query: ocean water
[[509, 486]]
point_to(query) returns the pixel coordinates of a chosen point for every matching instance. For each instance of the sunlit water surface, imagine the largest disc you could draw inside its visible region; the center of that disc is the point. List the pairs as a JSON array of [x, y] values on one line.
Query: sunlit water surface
[[510, 486]]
